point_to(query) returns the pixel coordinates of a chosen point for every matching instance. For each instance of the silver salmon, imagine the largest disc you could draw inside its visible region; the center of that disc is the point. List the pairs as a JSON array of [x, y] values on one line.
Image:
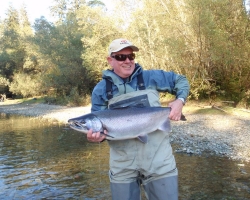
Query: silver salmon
[[124, 123]]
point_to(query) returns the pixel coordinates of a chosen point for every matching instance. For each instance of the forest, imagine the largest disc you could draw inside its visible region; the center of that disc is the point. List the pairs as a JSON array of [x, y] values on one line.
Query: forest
[[208, 41]]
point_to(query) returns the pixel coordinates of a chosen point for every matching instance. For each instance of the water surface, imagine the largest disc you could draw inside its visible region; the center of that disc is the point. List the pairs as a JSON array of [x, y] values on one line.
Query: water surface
[[41, 160]]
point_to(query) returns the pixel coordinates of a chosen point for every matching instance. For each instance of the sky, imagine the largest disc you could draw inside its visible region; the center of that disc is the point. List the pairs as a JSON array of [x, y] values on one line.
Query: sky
[[34, 8]]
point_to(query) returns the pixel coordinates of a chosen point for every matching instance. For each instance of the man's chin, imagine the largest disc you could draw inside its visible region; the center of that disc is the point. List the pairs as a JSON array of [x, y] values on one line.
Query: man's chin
[[128, 73]]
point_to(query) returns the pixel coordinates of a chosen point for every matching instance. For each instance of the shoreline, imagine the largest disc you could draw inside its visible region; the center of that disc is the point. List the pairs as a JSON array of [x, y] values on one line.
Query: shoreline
[[55, 113], [212, 134]]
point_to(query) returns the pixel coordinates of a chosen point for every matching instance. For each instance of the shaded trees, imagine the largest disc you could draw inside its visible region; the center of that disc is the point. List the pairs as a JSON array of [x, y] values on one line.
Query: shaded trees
[[197, 38], [99, 30], [16, 56], [61, 47], [12, 52], [59, 50]]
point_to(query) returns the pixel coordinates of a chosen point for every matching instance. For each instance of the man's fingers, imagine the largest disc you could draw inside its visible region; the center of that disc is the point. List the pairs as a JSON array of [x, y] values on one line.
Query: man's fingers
[[95, 137]]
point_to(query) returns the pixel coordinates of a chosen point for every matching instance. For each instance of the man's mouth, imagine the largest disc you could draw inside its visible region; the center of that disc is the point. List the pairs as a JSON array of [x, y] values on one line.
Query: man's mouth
[[127, 67]]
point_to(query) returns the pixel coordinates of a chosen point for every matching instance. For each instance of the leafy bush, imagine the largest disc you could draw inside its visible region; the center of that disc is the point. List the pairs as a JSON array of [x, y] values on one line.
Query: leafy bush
[[74, 99], [26, 85]]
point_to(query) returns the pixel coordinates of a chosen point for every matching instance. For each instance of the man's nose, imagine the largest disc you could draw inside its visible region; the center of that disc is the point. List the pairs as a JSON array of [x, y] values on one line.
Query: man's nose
[[127, 60]]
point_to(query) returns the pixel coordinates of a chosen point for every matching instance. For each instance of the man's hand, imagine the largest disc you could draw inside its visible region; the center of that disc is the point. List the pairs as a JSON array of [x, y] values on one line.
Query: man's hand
[[95, 137], [176, 109]]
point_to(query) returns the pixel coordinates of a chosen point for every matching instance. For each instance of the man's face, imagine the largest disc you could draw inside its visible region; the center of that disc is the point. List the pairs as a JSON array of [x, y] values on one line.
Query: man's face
[[122, 68]]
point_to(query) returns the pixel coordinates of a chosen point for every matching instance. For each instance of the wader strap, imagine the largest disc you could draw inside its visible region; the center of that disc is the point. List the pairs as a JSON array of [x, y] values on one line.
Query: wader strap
[[109, 89], [140, 83]]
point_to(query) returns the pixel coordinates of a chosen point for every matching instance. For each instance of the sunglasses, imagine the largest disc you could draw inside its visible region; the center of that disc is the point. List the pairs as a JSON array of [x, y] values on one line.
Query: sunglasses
[[123, 57]]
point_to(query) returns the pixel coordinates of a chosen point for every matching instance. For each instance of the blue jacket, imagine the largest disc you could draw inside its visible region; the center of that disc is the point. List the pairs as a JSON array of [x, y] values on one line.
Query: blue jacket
[[159, 80]]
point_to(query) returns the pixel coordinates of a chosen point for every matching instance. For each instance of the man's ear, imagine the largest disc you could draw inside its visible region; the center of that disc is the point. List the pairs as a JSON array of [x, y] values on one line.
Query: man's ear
[[109, 59]]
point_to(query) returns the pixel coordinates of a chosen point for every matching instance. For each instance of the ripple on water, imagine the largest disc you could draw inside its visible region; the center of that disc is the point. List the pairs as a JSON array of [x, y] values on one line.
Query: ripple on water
[[42, 161]]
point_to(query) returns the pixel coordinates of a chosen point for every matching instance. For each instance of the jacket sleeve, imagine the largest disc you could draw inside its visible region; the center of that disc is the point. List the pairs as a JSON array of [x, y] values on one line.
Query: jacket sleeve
[[98, 98], [170, 82], [181, 87]]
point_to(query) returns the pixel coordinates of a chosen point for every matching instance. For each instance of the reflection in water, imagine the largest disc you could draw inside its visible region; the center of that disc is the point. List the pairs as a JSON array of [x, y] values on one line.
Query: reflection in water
[[40, 160], [213, 178], [48, 161]]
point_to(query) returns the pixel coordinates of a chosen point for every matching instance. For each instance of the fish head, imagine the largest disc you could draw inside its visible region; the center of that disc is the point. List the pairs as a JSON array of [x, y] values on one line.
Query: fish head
[[85, 123]]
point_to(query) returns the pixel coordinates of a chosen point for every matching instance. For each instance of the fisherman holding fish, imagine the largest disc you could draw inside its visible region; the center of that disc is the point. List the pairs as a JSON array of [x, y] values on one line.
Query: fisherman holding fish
[[133, 162]]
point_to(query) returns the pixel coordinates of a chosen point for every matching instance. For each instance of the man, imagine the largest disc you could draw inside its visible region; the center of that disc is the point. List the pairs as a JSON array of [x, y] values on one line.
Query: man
[[132, 162]]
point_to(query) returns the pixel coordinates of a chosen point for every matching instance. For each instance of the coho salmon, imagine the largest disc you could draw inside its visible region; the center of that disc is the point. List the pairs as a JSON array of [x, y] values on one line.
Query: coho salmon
[[124, 123]]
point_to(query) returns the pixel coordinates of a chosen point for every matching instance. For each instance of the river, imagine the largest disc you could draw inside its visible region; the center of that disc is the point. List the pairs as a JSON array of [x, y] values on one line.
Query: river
[[41, 160]]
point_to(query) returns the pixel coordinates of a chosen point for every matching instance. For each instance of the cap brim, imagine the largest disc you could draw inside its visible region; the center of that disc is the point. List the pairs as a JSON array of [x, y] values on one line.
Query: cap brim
[[134, 48]]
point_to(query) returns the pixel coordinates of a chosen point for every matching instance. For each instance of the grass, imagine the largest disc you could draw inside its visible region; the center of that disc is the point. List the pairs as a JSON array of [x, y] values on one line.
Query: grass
[[24, 100], [34, 100]]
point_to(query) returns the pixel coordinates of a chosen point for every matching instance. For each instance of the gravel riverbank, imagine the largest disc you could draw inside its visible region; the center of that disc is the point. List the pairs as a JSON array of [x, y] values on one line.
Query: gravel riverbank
[[223, 135], [55, 113], [217, 134]]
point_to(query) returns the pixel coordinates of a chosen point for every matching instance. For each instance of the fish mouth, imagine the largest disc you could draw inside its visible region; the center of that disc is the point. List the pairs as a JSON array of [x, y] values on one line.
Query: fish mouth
[[75, 124], [78, 126]]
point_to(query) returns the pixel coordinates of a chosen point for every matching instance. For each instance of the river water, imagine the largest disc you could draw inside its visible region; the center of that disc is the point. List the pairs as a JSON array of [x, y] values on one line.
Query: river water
[[41, 160]]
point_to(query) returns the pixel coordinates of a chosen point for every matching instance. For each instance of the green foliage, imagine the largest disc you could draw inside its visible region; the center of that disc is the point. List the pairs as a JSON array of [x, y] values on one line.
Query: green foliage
[[203, 89], [61, 46], [15, 54], [99, 30], [26, 85], [94, 3], [210, 45], [74, 99], [4, 81], [197, 38], [11, 56]]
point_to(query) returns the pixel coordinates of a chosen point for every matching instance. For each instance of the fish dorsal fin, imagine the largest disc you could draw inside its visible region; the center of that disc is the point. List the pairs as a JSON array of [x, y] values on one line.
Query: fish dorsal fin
[[143, 138], [166, 126]]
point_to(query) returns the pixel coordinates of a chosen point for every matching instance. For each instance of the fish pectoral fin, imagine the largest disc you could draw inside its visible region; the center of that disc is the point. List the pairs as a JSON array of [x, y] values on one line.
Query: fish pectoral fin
[[107, 134], [143, 138], [166, 126]]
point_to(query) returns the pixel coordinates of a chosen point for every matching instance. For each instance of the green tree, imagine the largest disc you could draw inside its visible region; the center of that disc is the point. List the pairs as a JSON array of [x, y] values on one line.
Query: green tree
[[197, 38], [12, 53], [17, 58], [98, 31], [60, 45], [26, 85], [230, 54], [30, 65], [94, 3]]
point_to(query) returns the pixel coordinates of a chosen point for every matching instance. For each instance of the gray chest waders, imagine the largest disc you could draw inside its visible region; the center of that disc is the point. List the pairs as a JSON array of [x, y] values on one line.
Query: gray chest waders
[[133, 163]]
